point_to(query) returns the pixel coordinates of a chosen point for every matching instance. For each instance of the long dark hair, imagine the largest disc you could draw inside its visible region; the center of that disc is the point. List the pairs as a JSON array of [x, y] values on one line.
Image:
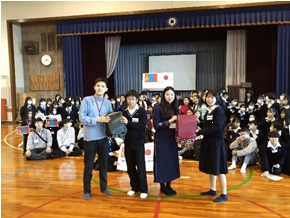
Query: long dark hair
[[167, 109], [26, 100]]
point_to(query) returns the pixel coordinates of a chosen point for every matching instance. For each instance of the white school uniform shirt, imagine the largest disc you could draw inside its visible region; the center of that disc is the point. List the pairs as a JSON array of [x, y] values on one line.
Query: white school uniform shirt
[[66, 139]]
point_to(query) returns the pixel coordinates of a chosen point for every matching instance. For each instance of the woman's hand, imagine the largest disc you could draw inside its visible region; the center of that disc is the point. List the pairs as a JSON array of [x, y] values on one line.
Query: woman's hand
[[173, 119]]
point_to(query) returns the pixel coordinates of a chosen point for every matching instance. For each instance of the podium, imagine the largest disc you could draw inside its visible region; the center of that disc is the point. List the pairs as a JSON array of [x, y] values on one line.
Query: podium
[[236, 91]]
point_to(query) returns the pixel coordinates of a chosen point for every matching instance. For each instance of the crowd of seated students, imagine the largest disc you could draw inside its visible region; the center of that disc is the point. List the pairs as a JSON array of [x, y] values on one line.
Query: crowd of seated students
[[250, 120], [253, 117]]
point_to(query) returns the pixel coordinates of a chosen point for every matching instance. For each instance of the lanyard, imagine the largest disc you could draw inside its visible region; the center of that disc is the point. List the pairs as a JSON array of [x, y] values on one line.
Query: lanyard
[[99, 108]]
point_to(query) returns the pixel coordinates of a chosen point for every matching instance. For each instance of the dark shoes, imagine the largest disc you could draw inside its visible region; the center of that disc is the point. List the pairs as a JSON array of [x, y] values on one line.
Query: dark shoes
[[221, 198], [167, 190], [87, 196], [210, 192], [107, 192]]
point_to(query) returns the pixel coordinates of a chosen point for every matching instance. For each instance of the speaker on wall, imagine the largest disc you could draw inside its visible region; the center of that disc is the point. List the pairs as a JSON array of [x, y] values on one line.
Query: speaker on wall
[[31, 48]]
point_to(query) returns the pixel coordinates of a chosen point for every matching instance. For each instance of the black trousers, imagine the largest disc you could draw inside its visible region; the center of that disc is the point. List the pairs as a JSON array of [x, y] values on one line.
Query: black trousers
[[101, 147], [135, 157]]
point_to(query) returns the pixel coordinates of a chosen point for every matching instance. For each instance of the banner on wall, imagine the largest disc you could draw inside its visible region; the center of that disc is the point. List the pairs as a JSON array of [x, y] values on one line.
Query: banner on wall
[[157, 81], [149, 151]]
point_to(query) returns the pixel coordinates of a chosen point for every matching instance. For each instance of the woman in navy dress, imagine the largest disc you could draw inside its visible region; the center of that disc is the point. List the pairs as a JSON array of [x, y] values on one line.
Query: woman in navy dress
[[166, 163], [213, 156]]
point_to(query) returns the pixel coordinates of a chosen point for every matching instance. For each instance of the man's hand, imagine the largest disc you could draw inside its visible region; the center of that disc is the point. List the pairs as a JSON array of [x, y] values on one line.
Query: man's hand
[[104, 119], [28, 153], [234, 152], [48, 149]]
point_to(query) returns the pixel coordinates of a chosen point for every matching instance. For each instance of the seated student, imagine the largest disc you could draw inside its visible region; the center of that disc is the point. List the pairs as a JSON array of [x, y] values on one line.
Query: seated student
[[114, 145], [66, 140], [256, 133], [80, 137], [277, 127], [52, 128], [266, 123], [28, 120], [243, 115], [231, 133], [69, 113], [39, 143], [274, 154], [244, 149]]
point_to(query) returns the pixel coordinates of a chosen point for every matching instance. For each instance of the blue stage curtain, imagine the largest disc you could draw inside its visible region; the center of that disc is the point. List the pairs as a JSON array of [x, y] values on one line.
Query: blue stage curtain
[[231, 17], [72, 61], [283, 60]]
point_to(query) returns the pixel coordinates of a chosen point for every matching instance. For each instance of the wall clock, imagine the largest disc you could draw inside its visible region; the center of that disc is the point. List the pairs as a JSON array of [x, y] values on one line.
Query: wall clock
[[46, 60]]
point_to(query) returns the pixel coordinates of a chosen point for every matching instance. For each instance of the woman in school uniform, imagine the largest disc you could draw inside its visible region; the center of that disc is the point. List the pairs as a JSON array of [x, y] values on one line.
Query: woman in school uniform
[[213, 156], [166, 163]]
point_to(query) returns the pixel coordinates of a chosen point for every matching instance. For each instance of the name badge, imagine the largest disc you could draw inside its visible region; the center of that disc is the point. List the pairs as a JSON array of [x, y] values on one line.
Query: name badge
[[35, 141], [135, 120], [209, 117], [274, 150]]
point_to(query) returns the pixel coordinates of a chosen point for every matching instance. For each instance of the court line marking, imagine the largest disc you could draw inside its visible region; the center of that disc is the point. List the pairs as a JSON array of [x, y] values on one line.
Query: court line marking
[[5, 140], [7, 143], [20, 171], [158, 203], [159, 197]]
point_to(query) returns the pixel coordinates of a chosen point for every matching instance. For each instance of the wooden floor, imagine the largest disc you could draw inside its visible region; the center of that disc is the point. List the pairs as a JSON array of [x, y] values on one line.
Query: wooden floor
[[53, 188]]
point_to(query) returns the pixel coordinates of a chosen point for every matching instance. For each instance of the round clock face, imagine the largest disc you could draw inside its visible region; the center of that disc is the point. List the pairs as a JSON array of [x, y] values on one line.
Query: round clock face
[[46, 60]]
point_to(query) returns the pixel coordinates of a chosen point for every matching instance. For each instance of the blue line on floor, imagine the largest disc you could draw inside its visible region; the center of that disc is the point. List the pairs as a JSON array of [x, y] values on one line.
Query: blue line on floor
[[21, 170]]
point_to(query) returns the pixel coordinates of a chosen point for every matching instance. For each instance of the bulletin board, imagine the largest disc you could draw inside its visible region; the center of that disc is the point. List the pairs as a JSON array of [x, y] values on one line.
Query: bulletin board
[[44, 82]]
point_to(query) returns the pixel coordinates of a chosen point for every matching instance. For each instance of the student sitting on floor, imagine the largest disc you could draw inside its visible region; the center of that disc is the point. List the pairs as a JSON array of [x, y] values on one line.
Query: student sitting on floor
[[39, 143], [274, 154], [244, 149], [66, 140]]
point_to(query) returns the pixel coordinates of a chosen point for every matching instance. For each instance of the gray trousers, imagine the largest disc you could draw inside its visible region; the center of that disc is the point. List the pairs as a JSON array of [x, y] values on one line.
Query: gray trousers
[[249, 159], [38, 154]]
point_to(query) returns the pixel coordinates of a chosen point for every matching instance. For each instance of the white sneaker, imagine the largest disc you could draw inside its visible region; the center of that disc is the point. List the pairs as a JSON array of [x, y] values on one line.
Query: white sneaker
[[232, 167], [143, 195], [243, 171], [131, 193]]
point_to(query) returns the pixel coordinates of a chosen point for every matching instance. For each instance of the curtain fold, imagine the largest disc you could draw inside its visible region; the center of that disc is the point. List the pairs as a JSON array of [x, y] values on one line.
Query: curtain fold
[[230, 17], [236, 57], [72, 64], [133, 62], [283, 60], [112, 46], [94, 61]]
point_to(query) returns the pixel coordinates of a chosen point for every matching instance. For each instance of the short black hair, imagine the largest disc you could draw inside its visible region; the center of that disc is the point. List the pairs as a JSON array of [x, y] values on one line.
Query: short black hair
[[101, 79], [245, 129], [38, 120], [255, 122], [277, 125], [273, 134], [132, 92]]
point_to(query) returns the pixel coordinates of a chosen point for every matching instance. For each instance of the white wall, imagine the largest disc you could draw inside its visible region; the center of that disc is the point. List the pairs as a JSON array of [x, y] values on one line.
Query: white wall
[[19, 11]]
